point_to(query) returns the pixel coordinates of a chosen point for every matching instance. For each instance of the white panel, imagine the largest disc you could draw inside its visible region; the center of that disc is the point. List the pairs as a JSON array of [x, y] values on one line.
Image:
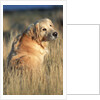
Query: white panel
[[83, 59], [83, 11], [83, 97]]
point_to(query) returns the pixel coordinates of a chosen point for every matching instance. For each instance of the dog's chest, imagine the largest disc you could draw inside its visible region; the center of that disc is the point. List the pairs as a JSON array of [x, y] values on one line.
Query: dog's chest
[[44, 51]]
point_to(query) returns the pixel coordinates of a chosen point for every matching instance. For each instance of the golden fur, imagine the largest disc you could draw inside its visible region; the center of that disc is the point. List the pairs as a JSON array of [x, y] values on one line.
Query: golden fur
[[30, 47]]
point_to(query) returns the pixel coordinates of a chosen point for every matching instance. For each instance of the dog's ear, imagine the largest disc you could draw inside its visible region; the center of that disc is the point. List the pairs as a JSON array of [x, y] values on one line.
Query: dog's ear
[[30, 31], [37, 31], [33, 31]]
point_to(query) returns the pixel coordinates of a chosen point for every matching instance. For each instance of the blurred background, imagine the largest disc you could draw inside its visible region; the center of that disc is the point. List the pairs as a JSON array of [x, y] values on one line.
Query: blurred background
[[16, 18]]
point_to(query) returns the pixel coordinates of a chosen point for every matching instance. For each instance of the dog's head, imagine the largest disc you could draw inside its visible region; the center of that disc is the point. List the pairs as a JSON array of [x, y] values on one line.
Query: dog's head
[[42, 30]]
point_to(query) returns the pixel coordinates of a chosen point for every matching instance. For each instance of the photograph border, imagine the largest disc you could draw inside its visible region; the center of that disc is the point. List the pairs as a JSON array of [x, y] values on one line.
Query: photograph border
[[36, 2]]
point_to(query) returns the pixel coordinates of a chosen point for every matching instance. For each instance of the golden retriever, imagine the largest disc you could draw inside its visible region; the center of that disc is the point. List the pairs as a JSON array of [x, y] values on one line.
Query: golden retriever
[[30, 47]]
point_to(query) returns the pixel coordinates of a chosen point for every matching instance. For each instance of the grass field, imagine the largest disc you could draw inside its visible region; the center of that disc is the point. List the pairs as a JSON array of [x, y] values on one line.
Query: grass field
[[50, 80]]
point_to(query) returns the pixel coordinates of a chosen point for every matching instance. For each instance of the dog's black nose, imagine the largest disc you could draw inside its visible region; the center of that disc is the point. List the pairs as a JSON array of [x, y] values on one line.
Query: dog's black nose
[[55, 34]]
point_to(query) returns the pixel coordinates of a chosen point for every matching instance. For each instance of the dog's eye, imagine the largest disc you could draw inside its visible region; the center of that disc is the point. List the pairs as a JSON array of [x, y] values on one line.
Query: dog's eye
[[44, 29], [50, 25]]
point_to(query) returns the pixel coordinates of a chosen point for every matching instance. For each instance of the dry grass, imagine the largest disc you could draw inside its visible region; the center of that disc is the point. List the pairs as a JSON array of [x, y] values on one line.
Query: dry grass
[[50, 80]]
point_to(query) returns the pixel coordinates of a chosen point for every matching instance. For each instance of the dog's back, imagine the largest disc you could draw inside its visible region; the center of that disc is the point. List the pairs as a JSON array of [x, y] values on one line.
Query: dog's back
[[26, 52]]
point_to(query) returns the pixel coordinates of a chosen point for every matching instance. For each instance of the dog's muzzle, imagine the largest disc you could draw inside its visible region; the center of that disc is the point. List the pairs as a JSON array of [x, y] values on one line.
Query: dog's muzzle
[[50, 36]]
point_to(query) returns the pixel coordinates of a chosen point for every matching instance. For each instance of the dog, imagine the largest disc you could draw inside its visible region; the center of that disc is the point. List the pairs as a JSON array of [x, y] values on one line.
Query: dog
[[30, 47]]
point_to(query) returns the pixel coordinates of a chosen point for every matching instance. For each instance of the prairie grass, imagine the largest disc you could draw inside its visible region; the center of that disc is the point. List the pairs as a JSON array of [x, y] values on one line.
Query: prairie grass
[[20, 82]]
